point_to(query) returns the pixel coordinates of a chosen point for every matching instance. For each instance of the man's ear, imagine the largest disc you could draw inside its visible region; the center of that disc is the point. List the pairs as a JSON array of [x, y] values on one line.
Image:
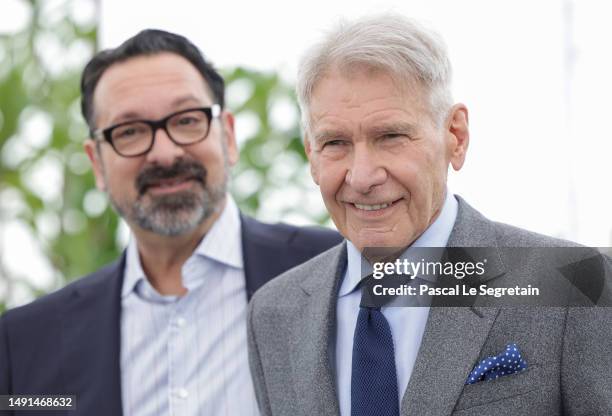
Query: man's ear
[[91, 149], [312, 159], [458, 131], [227, 118]]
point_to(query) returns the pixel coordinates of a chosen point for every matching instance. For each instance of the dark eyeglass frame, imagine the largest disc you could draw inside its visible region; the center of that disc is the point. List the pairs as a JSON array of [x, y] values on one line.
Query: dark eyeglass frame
[[106, 134]]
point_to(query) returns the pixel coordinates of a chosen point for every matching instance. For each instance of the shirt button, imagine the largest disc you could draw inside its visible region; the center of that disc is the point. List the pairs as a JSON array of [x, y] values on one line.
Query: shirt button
[[181, 393], [181, 322]]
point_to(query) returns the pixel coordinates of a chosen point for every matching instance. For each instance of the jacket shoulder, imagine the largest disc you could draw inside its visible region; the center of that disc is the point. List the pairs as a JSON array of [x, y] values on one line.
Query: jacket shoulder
[[308, 238], [472, 228], [278, 290], [315, 239], [511, 236], [49, 304]]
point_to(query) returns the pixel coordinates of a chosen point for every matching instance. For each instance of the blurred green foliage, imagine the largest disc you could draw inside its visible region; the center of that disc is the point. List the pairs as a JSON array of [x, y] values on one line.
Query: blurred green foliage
[[41, 183], [46, 186]]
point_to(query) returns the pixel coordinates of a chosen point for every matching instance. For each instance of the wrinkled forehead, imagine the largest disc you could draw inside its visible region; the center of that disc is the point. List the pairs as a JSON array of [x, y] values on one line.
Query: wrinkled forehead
[[343, 87]]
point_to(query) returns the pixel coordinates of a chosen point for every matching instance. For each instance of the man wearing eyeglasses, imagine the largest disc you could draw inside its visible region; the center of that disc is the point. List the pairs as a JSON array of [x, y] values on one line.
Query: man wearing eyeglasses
[[162, 330]]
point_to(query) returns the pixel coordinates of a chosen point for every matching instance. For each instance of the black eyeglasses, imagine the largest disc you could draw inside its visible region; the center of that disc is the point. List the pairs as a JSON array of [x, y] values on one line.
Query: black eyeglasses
[[135, 138]]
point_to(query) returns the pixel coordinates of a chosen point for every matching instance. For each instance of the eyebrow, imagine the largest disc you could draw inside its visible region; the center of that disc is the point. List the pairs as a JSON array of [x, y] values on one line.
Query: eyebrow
[[327, 133], [186, 99], [408, 129], [393, 127], [135, 115]]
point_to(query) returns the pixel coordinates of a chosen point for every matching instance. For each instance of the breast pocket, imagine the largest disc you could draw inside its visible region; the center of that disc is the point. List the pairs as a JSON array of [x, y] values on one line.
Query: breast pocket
[[504, 387]]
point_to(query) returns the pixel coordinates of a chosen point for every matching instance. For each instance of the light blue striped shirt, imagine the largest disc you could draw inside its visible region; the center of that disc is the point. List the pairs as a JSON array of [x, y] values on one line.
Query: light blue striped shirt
[[407, 323], [188, 355]]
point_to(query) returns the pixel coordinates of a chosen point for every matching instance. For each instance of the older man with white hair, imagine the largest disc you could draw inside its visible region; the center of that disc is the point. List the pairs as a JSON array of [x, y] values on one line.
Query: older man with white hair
[[381, 131]]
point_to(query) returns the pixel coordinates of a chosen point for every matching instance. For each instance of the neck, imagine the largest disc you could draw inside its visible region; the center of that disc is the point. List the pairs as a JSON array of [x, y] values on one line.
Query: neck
[[162, 257]]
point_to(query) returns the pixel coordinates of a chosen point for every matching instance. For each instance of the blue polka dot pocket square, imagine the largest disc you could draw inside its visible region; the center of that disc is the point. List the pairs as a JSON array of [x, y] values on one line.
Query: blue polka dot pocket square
[[507, 363]]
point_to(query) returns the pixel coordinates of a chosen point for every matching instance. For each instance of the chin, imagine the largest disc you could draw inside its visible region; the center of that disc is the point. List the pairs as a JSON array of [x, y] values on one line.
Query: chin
[[373, 242]]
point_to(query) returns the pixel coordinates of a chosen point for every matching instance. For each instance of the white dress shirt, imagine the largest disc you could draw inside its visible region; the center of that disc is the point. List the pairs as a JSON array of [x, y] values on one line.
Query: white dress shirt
[[187, 355], [407, 323]]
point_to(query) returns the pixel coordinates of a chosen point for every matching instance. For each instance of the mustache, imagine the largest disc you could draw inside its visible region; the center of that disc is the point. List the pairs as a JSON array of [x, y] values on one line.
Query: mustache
[[180, 168]]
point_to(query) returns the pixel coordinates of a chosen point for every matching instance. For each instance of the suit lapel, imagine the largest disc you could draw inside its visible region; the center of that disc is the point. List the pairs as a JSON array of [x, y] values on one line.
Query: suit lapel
[[312, 341], [453, 337], [90, 343], [451, 345]]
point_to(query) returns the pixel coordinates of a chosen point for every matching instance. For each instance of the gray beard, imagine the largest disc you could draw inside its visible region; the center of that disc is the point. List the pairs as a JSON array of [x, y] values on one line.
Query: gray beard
[[172, 215], [176, 214]]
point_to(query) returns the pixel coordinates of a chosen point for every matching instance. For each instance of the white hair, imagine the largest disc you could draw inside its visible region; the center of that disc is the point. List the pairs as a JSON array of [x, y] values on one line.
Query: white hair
[[390, 43]]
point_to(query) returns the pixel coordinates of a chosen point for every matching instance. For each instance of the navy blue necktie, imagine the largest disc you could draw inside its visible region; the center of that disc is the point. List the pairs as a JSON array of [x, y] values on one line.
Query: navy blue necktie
[[374, 389]]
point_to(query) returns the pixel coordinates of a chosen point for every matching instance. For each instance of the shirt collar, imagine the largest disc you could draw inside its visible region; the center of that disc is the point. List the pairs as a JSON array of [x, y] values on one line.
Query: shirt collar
[[133, 269], [436, 235], [222, 243]]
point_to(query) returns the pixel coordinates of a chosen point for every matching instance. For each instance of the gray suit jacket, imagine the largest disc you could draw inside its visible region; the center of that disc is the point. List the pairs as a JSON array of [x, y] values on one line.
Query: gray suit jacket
[[568, 350]]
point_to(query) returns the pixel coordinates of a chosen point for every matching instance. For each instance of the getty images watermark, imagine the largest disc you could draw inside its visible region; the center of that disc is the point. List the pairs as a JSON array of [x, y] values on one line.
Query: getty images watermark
[[487, 276]]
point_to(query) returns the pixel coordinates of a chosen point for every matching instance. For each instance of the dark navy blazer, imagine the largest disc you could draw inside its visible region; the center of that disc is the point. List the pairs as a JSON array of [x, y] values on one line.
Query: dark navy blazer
[[68, 342]]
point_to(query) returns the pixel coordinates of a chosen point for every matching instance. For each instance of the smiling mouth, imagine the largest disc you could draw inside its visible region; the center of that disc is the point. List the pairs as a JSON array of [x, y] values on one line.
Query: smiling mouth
[[162, 186], [374, 207], [168, 183], [166, 179]]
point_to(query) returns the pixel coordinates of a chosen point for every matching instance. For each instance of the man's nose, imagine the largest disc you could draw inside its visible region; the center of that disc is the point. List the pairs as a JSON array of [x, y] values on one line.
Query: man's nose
[[366, 171], [164, 151]]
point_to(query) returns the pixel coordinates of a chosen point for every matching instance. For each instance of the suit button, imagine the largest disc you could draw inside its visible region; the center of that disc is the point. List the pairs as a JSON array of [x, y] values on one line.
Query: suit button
[[181, 393]]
